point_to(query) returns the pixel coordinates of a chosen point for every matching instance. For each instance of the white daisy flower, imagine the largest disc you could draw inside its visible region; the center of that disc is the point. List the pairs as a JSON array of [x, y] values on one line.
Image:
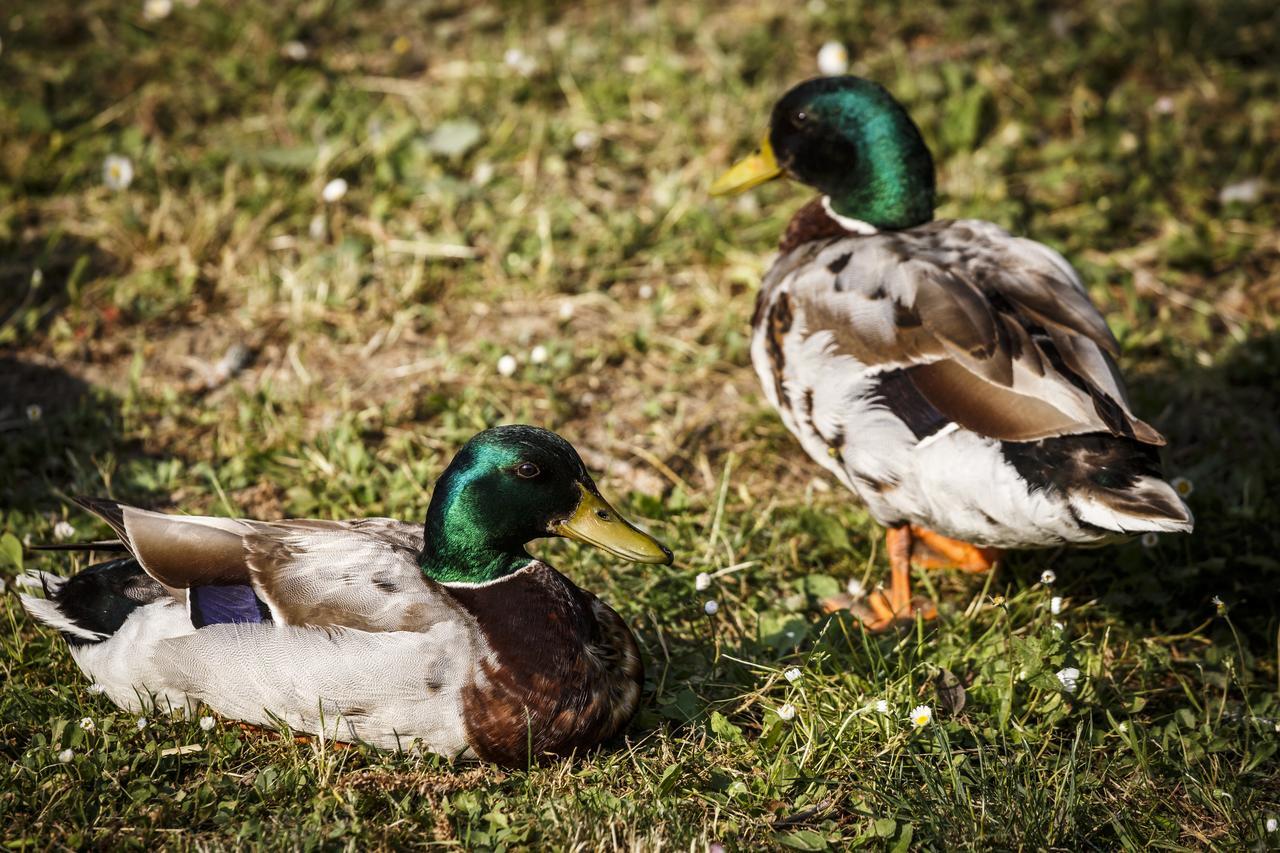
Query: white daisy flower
[[1272, 825], [295, 50], [645, 291], [1182, 486], [787, 712], [206, 724], [712, 607], [702, 581], [1055, 605], [792, 675], [855, 588], [65, 756], [538, 355], [482, 174], [1048, 577], [921, 716], [142, 723], [1058, 626], [334, 190], [97, 689], [117, 172], [34, 413], [507, 365], [1164, 105], [585, 140], [318, 227], [1069, 678], [1150, 540], [520, 62], [88, 725], [566, 310], [882, 706], [157, 10], [63, 530], [833, 59]]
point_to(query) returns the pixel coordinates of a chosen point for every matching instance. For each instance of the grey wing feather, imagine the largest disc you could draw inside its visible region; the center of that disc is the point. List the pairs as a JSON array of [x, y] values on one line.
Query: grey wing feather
[[996, 332], [359, 574]]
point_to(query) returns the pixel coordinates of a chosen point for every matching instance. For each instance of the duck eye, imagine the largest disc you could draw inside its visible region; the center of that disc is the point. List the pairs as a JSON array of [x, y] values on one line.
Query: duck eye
[[800, 118], [527, 470]]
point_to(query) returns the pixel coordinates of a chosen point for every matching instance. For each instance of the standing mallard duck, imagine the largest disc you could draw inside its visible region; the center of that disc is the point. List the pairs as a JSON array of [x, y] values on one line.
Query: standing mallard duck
[[370, 630], [956, 378]]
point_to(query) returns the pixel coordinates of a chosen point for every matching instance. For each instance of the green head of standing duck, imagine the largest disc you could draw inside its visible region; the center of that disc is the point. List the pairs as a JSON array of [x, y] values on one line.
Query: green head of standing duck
[[849, 139]]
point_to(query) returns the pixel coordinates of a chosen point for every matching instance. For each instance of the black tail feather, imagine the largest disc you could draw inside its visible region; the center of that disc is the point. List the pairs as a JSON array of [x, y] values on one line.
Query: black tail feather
[[112, 512]]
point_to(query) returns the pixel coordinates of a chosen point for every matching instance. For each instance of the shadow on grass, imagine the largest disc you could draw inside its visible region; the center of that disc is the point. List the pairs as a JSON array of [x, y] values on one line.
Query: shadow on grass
[[59, 436], [1221, 423]]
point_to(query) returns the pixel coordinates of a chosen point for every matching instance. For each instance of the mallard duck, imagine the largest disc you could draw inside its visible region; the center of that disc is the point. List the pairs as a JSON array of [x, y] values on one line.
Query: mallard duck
[[374, 630], [956, 378]]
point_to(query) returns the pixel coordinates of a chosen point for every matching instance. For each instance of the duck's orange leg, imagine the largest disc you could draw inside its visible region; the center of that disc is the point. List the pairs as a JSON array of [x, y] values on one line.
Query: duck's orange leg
[[895, 605], [934, 551]]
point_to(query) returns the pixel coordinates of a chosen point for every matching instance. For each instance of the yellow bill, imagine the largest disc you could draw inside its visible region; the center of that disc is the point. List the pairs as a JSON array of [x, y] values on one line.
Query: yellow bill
[[749, 172], [596, 523]]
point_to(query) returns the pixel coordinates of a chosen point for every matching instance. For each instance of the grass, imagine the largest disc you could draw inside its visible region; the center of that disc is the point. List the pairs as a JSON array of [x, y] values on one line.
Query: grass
[[491, 211]]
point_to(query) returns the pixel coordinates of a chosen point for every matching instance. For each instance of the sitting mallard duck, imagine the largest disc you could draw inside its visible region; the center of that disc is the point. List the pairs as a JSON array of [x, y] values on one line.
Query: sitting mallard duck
[[374, 630], [956, 378]]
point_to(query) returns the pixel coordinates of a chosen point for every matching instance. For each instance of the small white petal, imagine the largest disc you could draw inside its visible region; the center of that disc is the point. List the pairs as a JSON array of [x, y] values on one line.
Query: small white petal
[[482, 174], [882, 706], [1058, 626], [1241, 192], [712, 607], [1048, 577], [702, 581], [787, 712], [65, 756], [318, 227], [792, 675], [507, 365], [538, 355], [295, 50], [519, 62], [206, 724], [156, 10], [921, 715], [833, 59], [334, 190], [34, 413], [142, 723], [1070, 679], [63, 530], [1055, 605], [87, 724]]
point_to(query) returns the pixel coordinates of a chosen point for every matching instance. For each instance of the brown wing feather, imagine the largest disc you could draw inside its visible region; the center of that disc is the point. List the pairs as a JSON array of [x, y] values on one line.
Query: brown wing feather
[[990, 409]]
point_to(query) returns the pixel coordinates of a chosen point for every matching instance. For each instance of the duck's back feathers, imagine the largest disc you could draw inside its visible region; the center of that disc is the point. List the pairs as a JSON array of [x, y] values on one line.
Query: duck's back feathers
[[995, 332], [357, 574]]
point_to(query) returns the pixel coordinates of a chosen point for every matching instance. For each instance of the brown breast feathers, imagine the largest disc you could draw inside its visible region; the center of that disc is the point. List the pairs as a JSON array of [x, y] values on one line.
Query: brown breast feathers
[[811, 222], [565, 673]]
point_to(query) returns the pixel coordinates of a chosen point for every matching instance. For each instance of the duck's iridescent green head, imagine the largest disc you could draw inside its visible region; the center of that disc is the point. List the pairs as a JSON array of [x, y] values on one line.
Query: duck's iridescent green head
[[848, 138], [508, 486]]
